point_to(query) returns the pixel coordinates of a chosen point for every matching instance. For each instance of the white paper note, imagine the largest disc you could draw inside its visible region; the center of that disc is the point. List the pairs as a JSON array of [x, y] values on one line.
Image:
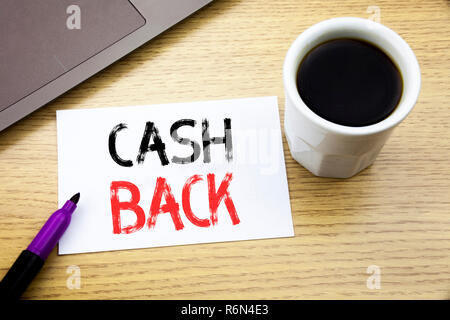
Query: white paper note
[[173, 174]]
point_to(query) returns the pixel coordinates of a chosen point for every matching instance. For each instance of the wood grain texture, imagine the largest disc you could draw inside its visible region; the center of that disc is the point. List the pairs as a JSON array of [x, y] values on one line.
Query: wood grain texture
[[395, 214]]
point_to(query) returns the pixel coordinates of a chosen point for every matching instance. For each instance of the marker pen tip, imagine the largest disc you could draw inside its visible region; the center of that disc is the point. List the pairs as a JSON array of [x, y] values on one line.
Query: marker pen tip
[[75, 198]]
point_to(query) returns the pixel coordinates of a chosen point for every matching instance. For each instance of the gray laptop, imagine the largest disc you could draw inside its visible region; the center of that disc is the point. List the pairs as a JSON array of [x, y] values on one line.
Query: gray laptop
[[48, 47]]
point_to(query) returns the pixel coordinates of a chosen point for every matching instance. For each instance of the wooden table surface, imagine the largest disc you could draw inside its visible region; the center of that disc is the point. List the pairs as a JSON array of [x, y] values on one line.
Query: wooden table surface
[[394, 215]]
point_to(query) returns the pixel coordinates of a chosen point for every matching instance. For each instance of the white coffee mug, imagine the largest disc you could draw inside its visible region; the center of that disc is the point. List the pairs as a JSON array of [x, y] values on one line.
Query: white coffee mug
[[328, 149]]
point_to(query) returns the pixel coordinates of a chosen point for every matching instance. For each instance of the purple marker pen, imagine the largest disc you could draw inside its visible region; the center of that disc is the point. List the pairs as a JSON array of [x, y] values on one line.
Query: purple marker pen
[[31, 260]]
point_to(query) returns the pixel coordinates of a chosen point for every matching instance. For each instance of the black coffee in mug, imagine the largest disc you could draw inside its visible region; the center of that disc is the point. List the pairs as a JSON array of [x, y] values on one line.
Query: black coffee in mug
[[349, 82]]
